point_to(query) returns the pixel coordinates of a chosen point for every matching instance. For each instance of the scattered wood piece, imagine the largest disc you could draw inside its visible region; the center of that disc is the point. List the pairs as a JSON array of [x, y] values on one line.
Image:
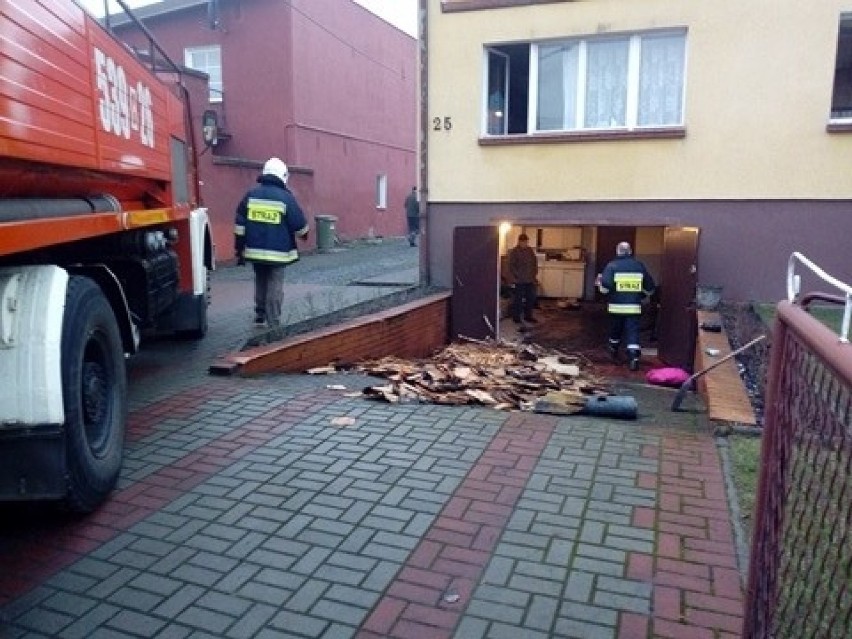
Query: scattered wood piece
[[321, 370], [343, 422]]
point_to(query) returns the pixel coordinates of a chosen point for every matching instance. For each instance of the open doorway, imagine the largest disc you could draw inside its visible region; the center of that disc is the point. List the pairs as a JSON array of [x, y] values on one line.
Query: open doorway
[[571, 313]]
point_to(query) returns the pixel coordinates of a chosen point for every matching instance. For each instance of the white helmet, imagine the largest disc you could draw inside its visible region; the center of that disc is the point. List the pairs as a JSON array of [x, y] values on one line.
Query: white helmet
[[274, 166]]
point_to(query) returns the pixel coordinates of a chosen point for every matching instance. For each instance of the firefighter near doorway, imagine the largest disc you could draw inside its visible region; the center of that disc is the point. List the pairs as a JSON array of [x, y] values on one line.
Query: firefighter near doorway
[[625, 281]]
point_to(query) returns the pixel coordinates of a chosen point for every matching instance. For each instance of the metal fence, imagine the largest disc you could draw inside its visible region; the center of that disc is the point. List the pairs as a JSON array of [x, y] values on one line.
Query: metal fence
[[800, 577]]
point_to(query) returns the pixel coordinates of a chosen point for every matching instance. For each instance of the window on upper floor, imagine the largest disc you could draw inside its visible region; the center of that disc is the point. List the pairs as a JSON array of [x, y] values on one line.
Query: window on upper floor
[[618, 82], [841, 97], [209, 60]]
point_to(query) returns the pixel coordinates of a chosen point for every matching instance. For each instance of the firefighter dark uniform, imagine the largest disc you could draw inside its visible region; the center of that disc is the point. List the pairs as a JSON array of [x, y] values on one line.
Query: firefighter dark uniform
[[625, 281], [267, 222]]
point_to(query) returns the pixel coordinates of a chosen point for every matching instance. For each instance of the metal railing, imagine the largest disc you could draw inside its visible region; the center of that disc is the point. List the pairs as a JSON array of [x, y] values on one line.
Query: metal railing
[[800, 576], [794, 283]]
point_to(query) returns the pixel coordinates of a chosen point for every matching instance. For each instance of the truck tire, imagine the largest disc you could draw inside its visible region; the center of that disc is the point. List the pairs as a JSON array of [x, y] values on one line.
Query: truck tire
[[94, 390]]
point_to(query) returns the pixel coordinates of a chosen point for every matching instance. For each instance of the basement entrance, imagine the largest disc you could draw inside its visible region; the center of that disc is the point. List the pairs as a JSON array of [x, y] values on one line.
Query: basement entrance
[[571, 312]]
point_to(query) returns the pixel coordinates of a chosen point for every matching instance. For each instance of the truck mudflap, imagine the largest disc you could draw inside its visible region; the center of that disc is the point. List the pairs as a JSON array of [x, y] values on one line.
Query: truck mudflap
[[32, 463]]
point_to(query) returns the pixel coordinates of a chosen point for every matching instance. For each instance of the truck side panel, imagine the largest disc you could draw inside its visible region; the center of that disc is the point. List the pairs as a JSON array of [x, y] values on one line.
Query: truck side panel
[[46, 105], [71, 95]]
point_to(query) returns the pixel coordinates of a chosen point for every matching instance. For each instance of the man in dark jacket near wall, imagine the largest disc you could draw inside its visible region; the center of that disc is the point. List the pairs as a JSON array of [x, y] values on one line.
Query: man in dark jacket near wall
[[523, 274], [412, 216], [625, 281], [267, 222]]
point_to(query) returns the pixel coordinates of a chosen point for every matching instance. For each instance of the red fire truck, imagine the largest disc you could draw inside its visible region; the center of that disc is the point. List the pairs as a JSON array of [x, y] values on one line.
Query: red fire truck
[[102, 240]]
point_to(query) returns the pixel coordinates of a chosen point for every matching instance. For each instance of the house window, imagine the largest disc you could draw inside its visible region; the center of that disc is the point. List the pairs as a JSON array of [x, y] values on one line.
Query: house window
[[208, 60], [621, 82], [841, 97], [381, 191]]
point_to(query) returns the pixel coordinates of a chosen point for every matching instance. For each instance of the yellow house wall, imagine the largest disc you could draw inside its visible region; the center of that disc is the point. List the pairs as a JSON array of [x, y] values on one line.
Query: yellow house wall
[[758, 93]]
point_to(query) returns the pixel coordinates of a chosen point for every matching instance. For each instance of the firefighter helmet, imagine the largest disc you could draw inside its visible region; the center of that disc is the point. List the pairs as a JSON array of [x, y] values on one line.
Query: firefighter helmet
[[274, 166]]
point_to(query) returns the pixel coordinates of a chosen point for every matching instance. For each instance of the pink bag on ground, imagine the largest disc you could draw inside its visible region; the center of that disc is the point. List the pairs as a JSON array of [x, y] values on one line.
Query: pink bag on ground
[[667, 376]]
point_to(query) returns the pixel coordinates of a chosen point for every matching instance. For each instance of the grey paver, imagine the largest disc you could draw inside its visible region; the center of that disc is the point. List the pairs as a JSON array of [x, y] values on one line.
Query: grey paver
[[86, 625], [579, 586], [498, 571], [135, 623], [380, 576], [178, 601], [251, 621], [134, 599], [495, 611], [206, 619], [307, 595], [73, 582], [46, 621], [308, 626], [337, 611]]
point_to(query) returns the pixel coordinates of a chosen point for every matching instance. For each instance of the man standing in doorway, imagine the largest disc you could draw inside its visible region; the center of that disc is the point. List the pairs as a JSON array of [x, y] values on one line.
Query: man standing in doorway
[[523, 271], [412, 216], [267, 222], [625, 281]]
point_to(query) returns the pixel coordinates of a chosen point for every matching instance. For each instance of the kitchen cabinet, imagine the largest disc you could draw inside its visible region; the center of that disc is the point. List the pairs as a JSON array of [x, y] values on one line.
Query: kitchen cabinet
[[562, 279], [556, 237]]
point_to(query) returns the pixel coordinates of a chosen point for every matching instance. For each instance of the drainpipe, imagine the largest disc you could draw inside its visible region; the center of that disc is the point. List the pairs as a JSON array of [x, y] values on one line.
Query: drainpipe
[[423, 42]]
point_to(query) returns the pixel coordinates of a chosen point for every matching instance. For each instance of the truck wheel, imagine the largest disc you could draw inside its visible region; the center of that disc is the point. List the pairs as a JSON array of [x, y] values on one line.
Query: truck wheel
[[94, 390]]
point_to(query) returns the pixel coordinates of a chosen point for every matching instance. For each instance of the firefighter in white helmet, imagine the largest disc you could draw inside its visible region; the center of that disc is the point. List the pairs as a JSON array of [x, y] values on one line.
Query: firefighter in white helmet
[[268, 221]]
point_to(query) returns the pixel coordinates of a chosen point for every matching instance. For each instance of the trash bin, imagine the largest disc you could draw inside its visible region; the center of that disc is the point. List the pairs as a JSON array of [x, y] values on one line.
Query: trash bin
[[325, 232]]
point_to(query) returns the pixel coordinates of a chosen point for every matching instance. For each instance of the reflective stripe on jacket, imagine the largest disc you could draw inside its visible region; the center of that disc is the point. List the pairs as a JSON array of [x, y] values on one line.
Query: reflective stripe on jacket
[[626, 281]]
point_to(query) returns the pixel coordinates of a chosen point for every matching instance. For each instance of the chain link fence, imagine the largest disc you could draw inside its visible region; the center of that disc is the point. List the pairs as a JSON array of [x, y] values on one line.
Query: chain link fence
[[800, 577]]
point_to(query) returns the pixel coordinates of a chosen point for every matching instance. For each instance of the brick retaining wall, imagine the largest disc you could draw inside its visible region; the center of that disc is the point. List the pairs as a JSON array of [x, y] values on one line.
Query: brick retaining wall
[[412, 330]]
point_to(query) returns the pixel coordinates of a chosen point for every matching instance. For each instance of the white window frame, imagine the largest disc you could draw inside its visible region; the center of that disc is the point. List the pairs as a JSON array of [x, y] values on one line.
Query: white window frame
[[633, 79], [382, 191], [216, 83], [486, 105], [632, 102]]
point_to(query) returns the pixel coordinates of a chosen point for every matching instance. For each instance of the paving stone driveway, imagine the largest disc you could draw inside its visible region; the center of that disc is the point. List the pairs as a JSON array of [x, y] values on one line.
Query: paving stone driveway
[[246, 509]]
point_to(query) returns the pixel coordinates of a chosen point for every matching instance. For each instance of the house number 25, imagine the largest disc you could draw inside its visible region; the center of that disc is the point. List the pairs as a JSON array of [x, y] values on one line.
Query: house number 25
[[444, 123]]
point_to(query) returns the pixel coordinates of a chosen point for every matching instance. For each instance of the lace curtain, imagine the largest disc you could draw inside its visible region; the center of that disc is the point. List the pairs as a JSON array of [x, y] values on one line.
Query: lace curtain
[[606, 83], [661, 80]]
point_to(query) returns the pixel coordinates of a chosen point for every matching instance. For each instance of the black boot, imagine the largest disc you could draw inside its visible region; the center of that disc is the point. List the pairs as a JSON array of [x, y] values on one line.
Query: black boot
[[612, 349], [633, 359]]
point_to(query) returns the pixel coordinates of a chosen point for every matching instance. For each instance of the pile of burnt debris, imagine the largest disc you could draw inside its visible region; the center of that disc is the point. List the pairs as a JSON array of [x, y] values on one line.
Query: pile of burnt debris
[[501, 374]]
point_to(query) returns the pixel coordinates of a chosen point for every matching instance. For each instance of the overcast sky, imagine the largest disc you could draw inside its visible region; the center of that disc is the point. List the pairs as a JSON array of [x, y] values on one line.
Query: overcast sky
[[401, 13]]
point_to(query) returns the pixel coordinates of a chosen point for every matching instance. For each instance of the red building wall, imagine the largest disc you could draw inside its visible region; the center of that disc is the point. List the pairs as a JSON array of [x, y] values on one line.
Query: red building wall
[[324, 84]]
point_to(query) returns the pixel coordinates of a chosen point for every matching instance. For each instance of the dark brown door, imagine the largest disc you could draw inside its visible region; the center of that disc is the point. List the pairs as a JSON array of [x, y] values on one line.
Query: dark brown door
[[608, 239], [678, 275], [476, 254]]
